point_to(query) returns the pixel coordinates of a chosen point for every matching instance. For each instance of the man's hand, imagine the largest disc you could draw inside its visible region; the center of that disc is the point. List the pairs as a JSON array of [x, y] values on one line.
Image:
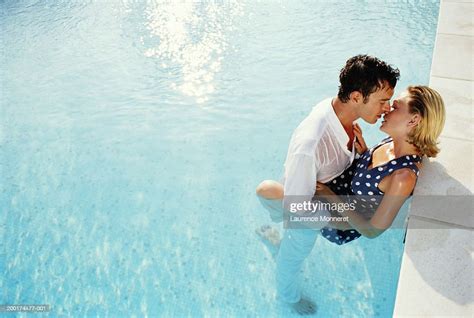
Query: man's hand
[[360, 145], [323, 190]]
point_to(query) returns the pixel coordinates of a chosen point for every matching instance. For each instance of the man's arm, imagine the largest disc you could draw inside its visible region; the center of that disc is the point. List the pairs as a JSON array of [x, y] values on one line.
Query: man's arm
[[300, 179]]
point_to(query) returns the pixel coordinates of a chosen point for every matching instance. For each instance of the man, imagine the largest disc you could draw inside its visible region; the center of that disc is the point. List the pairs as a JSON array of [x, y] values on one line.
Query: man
[[321, 148]]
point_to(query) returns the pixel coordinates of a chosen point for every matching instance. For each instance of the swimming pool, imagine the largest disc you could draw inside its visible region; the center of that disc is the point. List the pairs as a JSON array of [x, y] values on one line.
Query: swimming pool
[[133, 134]]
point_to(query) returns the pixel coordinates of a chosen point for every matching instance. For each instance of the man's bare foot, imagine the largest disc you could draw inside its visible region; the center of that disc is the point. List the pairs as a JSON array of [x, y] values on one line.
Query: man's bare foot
[[305, 307], [269, 234]]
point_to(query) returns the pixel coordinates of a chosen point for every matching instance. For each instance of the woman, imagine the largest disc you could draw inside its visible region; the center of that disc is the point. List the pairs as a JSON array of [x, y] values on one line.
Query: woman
[[381, 180]]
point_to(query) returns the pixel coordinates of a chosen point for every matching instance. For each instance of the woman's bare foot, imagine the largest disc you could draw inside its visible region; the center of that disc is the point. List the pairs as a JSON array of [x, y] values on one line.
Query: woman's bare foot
[[269, 234], [305, 307]]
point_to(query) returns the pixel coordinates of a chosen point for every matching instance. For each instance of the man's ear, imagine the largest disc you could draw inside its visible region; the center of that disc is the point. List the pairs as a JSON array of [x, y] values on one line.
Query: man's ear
[[414, 121], [356, 97]]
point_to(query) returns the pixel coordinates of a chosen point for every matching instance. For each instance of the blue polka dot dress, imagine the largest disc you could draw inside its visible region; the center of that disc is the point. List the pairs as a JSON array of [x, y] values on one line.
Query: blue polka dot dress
[[360, 185]]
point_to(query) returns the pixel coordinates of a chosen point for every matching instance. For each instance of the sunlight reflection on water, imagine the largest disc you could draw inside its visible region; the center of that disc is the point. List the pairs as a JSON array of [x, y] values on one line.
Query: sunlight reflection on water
[[185, 41]]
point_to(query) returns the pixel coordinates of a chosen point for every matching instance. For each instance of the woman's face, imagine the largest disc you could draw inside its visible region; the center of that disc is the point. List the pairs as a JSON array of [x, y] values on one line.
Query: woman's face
[[398, 121]]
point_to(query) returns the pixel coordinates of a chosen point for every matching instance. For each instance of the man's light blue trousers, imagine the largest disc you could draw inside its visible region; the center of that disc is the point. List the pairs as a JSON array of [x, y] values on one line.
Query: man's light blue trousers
[[295, 247]]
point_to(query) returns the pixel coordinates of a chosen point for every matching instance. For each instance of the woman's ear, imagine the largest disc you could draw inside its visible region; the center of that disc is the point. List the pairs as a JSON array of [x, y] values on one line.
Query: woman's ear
[[414, 121]]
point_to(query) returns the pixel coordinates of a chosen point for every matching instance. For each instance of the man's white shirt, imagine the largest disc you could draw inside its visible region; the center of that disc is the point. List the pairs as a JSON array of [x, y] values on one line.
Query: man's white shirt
[[317, 152]]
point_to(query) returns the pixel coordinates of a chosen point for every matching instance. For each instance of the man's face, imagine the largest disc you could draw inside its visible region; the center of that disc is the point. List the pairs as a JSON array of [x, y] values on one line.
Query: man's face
[[377, 104]]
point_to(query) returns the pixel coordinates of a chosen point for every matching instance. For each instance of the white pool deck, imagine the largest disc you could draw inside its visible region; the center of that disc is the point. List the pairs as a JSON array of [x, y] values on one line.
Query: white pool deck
[[437, 269]]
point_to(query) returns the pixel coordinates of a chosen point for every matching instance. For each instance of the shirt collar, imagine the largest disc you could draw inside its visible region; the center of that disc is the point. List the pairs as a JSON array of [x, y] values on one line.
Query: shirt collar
[[339, 130]]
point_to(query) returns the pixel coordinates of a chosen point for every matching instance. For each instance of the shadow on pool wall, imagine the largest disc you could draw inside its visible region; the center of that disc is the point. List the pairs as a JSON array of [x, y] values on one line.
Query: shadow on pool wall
[[438, 277]]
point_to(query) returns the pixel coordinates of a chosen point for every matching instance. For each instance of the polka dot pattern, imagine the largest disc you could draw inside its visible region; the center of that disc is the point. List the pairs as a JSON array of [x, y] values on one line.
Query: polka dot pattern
[[340, 237]]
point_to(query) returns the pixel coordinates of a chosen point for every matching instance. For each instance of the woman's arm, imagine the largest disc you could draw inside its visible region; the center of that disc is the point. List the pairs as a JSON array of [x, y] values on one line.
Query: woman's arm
[[399, 189], [401, 186]]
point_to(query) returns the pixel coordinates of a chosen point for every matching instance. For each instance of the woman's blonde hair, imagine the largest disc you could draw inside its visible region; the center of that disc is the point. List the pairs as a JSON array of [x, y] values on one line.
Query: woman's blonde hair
[[429, 105]]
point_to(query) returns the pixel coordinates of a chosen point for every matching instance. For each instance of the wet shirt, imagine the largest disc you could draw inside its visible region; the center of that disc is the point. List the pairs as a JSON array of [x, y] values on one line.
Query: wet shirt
[[317, 152]]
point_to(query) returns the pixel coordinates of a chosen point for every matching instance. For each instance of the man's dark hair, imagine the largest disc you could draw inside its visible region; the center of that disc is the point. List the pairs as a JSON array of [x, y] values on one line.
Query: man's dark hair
[[365, 74]]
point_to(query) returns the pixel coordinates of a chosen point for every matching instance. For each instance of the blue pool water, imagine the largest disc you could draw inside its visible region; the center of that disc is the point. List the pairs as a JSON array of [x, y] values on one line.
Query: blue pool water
[[133, 134]]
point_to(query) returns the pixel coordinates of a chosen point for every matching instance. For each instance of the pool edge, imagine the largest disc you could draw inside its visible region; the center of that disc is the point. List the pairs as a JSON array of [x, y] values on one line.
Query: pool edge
[[436, 270]]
